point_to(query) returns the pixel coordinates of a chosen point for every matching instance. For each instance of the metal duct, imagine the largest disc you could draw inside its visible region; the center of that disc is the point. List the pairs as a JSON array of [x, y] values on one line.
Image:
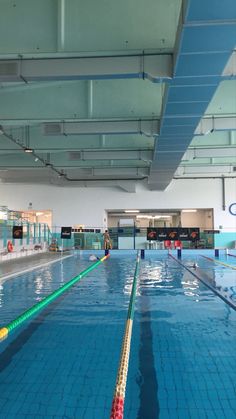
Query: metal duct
[[205, 41]]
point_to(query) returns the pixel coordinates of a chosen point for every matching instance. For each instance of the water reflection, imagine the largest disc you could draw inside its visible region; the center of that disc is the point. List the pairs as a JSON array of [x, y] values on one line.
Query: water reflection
[[190, 286], [157, 276], [1, 295]]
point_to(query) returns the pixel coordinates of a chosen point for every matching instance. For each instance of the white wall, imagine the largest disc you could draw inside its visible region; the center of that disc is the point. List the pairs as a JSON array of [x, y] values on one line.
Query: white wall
[[197, 219], [88, 205]]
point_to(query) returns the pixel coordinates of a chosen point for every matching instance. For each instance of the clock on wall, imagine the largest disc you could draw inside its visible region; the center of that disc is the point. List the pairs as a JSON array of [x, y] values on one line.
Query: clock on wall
[[232, 208]]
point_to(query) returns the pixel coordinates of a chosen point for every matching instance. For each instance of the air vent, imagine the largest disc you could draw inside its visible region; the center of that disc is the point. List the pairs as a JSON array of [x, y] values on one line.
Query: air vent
[[52, 129], [74, 155], [84, 171], [9, 69]]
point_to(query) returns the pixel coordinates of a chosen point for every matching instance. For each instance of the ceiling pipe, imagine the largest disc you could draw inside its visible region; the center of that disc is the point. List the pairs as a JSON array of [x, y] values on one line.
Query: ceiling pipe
[[46, 164], [104, 179], [203, 177], [223, 193]]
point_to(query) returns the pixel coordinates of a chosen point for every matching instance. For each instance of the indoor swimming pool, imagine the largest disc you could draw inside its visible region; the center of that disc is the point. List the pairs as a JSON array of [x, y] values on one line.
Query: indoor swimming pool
[[63, 362]]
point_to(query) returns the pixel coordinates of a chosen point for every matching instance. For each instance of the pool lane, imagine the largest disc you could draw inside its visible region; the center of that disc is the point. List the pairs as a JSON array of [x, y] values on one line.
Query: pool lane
[[194, 337], [64, 363]]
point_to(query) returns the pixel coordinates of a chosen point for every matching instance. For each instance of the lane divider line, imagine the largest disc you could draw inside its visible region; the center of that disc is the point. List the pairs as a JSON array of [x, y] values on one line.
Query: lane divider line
[[219, 262], [117, 410], [230, 303], [5, 330]]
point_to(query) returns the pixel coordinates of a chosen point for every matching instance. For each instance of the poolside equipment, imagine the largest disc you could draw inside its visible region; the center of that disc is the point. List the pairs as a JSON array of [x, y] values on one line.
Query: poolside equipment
[[9, 246], [179, 253], [4, 331], [217, 253], [117, 410]]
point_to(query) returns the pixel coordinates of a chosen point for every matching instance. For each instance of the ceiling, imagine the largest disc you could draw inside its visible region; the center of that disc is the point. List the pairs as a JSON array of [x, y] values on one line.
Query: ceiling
[[125, 93]]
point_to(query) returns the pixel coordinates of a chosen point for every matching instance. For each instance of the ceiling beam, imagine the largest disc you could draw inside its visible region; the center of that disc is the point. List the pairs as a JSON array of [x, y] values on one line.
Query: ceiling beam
[[198, 170], [212, 124], [197, 152], [156, 68]]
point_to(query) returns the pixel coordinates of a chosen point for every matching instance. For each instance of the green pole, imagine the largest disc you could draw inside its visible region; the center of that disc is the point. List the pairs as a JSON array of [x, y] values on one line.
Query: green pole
[[28, 233], [4, 331]]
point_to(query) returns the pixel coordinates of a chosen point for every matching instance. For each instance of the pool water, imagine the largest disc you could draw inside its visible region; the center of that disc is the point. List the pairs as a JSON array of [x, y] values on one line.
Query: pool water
[[63, 363]]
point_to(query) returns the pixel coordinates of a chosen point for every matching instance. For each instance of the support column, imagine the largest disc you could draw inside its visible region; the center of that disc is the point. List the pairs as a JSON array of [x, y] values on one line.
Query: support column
[[27, 233], [61, 25], [90, 98]]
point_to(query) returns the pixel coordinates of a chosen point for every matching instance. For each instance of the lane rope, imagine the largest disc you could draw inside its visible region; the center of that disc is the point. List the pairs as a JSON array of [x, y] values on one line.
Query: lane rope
[[219, 262], [117, 410], [5, 330], [213, 289]]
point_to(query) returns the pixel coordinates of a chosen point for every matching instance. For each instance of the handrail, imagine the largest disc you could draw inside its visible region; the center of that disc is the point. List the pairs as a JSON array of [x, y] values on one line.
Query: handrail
[[4, 331], [117, 410]]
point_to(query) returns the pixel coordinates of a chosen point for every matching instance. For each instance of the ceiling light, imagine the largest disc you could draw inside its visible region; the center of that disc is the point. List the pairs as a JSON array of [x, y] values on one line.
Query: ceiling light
[[143, 216], [189, 210], [36, 159], [38, 213], [134, 211], [28, 150]]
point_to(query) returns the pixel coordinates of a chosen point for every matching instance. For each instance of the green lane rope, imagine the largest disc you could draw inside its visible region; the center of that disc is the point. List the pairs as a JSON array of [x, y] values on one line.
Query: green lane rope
[[130, 314], [4, 331]]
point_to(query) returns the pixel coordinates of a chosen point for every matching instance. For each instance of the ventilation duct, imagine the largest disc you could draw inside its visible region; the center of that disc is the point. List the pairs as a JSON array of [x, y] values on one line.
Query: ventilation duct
[[52, 129], [9, 70], [74, 155]]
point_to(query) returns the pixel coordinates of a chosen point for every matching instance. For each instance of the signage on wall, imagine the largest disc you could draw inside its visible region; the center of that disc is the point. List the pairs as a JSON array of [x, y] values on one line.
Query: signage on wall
[[172, 233], [17, 232], [194, 234], [183, 233], [232, 208], [152, 233], [66, 232]]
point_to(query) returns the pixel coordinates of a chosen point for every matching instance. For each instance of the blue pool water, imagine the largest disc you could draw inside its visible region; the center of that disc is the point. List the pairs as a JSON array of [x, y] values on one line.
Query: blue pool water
[[63, 364]]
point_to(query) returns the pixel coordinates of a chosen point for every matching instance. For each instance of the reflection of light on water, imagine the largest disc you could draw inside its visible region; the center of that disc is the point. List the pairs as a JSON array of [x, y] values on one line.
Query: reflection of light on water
[[1, 295], [157, 277], [38, 287], [190, 287], [128, 286]]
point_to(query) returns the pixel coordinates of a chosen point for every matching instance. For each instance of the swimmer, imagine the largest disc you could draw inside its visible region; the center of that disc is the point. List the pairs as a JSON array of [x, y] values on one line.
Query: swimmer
[[93, 258], [195, 265]]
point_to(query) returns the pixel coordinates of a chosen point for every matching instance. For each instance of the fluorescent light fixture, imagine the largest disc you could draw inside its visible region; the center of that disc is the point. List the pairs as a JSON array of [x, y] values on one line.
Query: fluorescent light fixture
[[132, 211], [149, 217], [3, 215], [28, 150], [189, 210]]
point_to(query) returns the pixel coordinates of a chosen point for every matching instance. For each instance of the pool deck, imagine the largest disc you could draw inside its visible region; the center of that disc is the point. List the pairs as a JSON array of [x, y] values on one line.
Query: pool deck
[[13, 267]]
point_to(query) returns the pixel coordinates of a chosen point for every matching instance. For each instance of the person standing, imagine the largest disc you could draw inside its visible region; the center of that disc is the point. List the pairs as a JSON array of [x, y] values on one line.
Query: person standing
[[107, 240]]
